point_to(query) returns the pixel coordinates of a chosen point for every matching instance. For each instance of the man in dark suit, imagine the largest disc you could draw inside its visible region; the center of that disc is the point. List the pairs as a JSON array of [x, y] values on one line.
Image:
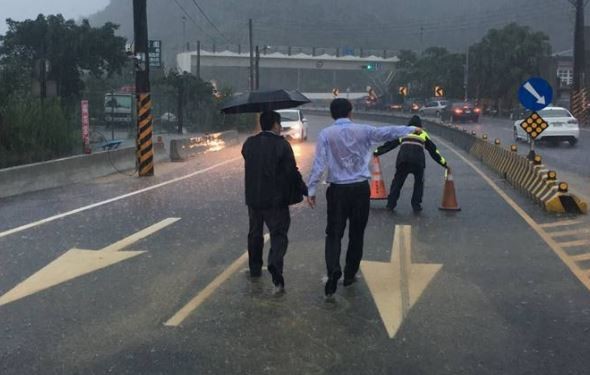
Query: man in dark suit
[[273, 182]]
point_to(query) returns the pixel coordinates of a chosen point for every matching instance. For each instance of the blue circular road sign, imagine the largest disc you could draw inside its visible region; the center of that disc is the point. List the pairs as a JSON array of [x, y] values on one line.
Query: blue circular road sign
[[535, 94]]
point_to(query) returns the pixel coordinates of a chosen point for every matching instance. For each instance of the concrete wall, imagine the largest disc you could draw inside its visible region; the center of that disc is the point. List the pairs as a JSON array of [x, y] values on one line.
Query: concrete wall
[[80, 168]]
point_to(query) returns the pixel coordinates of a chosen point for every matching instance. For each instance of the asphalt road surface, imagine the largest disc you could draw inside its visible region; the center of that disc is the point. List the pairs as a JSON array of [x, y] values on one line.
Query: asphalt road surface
[[147, 276]]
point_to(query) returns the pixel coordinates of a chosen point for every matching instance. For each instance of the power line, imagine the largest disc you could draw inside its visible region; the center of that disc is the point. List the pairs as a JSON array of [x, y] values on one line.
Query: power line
[[209, 21], [457, 22], [194, 21]]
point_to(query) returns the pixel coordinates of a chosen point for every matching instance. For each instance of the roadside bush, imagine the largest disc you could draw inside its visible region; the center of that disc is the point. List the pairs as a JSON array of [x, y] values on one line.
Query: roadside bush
[[32, 131]]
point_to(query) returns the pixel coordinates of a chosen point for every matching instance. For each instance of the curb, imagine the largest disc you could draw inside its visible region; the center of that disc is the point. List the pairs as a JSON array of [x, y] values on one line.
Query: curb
[[75, 169]]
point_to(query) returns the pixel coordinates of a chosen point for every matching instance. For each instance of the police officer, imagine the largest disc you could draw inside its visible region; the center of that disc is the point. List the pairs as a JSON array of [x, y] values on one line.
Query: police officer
[[411, 160]]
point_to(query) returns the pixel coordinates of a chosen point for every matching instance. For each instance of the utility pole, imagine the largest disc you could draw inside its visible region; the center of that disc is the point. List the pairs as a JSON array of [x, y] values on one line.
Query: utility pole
[[421, 39], [180, 103], [43, 73], [250, 37], [145, 151], [579, 58], [257, 69], [184, 33], [466, 82], [198, 59], [113, 103]]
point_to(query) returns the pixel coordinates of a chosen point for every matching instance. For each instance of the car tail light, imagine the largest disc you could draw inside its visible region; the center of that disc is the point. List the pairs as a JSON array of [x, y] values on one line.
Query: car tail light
[[477, 110], [458, 111]]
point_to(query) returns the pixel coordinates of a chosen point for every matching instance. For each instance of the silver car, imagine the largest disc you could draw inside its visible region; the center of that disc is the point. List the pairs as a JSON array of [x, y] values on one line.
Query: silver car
[[433, 108]]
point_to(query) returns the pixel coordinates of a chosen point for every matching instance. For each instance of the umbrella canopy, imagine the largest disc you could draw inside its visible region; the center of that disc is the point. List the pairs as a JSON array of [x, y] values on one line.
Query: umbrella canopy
[[260, 101]]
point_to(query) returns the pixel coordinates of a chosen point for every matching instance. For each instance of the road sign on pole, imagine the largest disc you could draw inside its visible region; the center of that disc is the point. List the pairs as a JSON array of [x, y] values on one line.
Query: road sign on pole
[[403, 91], [535, 94], [439, 91], [155, 51], [85, 126], [372, 94], [533, 125]]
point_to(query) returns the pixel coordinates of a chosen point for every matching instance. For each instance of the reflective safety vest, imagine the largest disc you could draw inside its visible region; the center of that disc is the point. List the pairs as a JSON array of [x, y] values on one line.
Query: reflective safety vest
[[415, 139], [412, 150]]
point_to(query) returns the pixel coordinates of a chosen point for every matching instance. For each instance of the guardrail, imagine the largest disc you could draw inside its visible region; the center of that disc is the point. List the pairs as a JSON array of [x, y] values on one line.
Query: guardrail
[[75, 169], [531, 178], [186, 148]]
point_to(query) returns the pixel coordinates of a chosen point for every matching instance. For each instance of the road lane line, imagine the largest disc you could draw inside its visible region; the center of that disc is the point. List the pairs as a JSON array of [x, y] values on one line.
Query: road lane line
[[205, 293], [111, 200], [561, 223], [140, 235], [554, 245]]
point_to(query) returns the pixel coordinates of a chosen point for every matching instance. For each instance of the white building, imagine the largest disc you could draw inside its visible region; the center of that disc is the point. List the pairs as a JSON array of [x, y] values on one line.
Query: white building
[[292, 71]]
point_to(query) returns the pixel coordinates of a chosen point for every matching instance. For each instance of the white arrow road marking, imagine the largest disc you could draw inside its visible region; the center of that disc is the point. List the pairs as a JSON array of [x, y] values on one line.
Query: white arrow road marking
[[77, 262], [540, 99], [397, 285]]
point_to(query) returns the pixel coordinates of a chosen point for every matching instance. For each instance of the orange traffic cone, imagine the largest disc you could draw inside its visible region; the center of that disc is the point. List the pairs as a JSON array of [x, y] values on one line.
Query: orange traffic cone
[[377, 184], [449, 199]]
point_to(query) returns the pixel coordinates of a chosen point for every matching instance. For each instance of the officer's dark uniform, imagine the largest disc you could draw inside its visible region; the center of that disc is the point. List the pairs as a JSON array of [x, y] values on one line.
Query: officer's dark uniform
[[410, 160]]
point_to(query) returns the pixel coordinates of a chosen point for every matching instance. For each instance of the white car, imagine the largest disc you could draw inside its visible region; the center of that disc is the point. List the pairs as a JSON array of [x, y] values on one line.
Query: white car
[[294, 124], [563, 126], [433, 108]]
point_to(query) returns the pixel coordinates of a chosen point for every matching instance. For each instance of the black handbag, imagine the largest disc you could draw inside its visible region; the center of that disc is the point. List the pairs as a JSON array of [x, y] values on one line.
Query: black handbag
[[297, 189]]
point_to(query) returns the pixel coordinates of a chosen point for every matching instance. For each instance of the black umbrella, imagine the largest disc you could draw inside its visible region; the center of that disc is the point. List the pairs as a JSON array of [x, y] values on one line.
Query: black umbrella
[[260, 101]]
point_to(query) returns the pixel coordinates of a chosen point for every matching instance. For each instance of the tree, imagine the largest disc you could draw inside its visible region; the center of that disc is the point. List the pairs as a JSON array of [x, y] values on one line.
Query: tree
[[435, 67], [194, 98], [70, 49], [504, 58]]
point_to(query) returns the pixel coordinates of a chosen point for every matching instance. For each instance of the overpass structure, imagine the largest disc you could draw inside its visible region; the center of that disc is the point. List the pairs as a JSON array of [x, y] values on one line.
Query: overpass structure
[[305, 72]]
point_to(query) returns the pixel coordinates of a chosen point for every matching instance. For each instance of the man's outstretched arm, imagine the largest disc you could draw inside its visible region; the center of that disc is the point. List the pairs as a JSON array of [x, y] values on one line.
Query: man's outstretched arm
[[386, 147]]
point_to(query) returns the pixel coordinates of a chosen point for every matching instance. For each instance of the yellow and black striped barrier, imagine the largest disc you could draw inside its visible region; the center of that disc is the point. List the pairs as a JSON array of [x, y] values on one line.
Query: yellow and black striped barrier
[[530, 177], [145, 151]]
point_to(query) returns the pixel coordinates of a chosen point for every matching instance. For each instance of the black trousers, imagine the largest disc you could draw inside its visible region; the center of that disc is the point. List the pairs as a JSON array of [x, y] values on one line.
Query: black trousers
[[277, 220], [350, 203], [401, 173]]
